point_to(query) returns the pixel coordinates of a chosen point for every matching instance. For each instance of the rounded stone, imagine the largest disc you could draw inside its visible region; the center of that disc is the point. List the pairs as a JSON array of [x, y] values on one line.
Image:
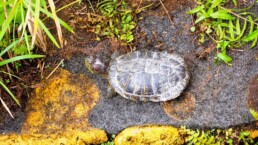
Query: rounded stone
[[58, 111], [148, 75], [181, 108], [150, 134]]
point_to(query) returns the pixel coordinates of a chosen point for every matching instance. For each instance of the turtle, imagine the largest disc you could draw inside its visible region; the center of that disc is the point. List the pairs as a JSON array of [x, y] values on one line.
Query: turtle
[[148, 75]]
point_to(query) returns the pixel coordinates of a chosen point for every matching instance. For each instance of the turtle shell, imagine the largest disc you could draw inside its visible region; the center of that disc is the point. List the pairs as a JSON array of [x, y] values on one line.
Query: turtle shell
[[148, 75]]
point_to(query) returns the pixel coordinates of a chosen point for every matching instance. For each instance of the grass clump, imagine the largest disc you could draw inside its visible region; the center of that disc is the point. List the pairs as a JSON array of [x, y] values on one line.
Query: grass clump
[[214, 137], [228, 28], [22, 29]]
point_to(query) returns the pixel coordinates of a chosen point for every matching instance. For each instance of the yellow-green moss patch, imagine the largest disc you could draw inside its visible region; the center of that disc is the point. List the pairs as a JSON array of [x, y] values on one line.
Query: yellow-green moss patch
[[92, 136], [150, 134]]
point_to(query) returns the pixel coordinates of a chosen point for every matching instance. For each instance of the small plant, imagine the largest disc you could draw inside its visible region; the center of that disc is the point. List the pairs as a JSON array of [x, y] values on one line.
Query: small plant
[[228, 28], [218, 136], [199, 137], [111, 141], [21, 29], [254, 114], [244, 137], [116, 20]]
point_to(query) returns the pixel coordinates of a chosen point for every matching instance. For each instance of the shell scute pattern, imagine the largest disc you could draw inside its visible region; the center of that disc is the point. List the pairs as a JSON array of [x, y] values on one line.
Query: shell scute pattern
[[148, 75]]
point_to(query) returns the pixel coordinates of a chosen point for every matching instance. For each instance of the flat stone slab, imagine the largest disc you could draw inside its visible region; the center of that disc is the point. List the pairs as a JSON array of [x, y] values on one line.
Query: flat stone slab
[[218, 91]]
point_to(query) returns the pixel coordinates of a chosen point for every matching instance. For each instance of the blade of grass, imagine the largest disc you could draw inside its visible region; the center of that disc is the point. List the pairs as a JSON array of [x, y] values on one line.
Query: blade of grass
[[251, 36], [238, 29], [6, 108], [11, 75], [10, 17], [51, 37], [9, 47], [231, 29], [254, 42], [9, 92], [16, 58], [68, 5], [251, 24], [58, 27], [51, 16], [36, 23]]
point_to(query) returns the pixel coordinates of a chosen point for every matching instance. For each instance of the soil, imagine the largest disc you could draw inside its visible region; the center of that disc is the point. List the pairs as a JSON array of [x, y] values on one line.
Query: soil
[[219, 91]]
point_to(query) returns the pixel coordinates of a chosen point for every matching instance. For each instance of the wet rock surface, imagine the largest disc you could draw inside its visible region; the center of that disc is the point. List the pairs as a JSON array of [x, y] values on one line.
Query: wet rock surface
[[219, 90]]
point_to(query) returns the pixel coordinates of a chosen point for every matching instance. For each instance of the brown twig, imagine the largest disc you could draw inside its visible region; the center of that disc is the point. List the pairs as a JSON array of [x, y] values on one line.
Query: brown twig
[[55, 68], [166, 12]]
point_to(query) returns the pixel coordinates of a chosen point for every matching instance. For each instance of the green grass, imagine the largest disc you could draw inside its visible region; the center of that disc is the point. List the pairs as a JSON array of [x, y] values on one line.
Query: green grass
[[22, 28], [114, 19], [228, 28], [217, 136]]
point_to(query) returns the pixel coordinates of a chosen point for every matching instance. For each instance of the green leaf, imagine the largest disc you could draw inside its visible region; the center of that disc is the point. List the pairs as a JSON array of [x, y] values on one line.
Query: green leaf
[[254, 42], [235, 2], [231, 29], [51, 37], [210, 140], [16, 58], [196, 9], [254, 114], [243, 30], [19, 17], [200, 19], [251, 24], [10, 17], [130, 38], [64, 24], [251, 36], [9, 47], [9, 92], [35, 23], [224, 57], [215, 3], [222, 14], [238, 29], [128, 18]]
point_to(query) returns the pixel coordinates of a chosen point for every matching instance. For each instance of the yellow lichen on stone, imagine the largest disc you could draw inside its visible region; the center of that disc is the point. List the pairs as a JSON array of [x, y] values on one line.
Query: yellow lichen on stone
[[92, 136], [62, 102], [151, 134], [58, 111]]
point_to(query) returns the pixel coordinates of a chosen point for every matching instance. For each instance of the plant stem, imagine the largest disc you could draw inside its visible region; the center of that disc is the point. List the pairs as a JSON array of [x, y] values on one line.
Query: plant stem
[[166, 12], [237, 15]]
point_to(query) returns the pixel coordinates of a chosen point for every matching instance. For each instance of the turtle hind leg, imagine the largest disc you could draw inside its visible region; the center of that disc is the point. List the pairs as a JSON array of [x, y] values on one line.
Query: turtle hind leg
[[110, 92]]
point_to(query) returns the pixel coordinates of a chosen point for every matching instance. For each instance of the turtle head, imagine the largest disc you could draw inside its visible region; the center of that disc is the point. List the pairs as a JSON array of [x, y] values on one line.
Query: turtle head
[[95, 65]]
